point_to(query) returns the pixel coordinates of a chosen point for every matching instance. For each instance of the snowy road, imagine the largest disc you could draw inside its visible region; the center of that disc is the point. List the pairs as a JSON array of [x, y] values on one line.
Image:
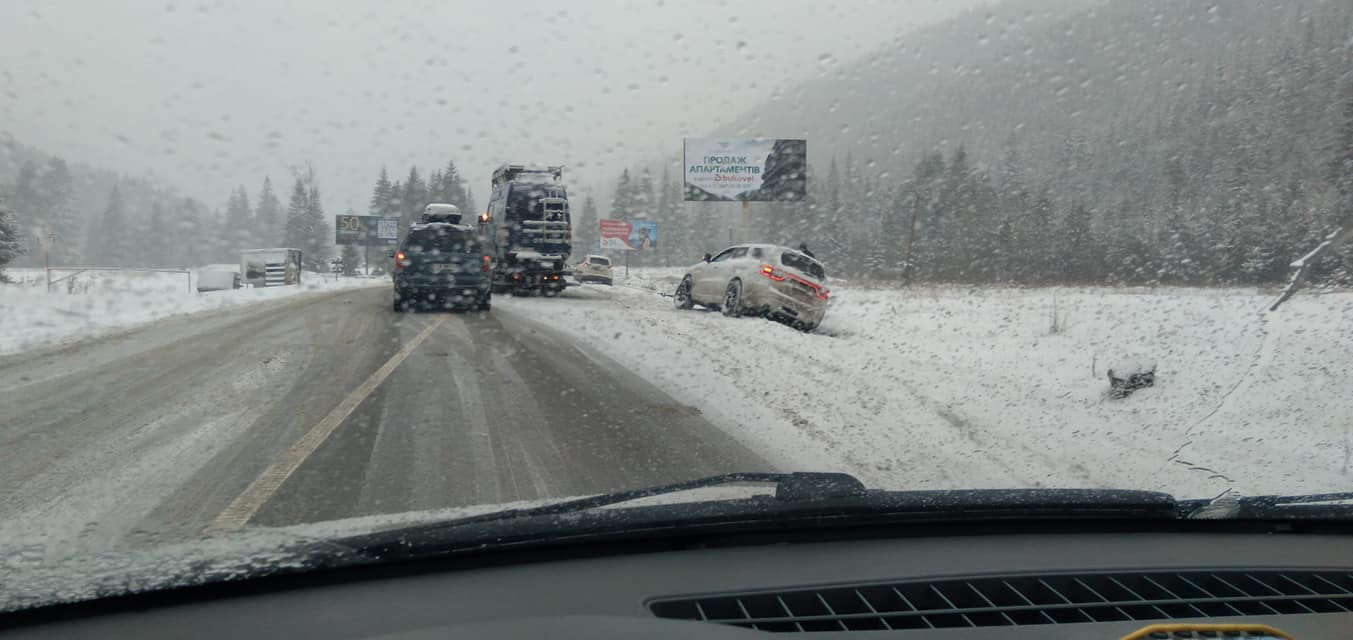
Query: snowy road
[[160, 431]]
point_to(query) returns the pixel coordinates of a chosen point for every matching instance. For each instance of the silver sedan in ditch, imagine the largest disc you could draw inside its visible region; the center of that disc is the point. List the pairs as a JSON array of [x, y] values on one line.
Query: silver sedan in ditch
[[759, 279]]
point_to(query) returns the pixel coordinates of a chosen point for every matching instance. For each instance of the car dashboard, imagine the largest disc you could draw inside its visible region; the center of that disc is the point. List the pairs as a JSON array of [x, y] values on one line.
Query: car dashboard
[[924, 587]]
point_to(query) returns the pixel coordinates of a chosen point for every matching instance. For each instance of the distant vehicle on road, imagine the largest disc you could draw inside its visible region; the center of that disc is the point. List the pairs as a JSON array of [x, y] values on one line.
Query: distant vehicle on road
[[765, 280], [594, 269], [443, 265]]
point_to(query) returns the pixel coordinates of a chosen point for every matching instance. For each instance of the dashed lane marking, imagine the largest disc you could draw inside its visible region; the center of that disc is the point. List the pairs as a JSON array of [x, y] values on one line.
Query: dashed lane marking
[[244, 506]]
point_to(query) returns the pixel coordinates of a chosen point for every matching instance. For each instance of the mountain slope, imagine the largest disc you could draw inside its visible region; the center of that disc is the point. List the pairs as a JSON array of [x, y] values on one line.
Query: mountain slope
[[1188, 131]]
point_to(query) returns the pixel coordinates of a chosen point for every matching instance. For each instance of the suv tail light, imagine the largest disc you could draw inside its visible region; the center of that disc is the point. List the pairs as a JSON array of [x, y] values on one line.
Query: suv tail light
[[401, 260], [770, 272], [488, 265]]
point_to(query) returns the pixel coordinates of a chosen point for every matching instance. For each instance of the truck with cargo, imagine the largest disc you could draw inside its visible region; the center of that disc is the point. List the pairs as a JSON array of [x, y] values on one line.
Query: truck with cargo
[[527, 229], [270, 267]]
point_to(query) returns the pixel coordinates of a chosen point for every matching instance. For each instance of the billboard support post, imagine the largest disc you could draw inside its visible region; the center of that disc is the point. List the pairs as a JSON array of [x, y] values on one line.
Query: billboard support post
[[746, 221]]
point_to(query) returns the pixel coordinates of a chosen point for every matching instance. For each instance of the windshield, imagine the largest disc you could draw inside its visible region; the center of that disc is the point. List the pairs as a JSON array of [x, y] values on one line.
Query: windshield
[[970, 244]]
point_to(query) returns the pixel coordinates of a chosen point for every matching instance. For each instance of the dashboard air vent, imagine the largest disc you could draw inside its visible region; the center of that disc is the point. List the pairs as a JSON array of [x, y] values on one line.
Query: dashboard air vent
[[1022, 600]]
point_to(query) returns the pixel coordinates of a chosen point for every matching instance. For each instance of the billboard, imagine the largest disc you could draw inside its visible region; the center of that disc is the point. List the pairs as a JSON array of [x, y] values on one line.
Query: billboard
[[633, 235], [745, 169], [366, 231]]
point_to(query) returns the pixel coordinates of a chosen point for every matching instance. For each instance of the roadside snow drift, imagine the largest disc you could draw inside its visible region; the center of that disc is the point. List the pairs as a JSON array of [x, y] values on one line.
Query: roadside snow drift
[[954, 388], [92, 303]]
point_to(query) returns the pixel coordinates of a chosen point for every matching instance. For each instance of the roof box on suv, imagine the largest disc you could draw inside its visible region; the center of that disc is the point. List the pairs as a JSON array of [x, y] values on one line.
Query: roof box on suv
[[448, 213]]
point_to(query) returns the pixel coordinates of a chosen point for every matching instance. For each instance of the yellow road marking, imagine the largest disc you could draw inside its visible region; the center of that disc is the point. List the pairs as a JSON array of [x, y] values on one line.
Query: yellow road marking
[[244, 506]]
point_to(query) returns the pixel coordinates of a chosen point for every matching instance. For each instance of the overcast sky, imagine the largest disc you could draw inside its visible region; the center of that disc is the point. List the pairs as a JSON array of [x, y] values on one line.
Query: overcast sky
[[208, 95]]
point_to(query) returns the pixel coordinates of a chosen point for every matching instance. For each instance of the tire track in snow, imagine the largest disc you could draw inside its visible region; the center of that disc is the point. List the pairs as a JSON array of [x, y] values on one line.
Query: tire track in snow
[[868, 396]]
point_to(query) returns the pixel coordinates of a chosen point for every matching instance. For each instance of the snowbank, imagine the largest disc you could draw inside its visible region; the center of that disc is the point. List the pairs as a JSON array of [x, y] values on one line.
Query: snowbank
[[948, 388], [93, 303]]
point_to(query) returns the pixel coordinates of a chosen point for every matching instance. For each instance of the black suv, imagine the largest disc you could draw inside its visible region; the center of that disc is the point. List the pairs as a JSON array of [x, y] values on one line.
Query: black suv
[[444, 265]]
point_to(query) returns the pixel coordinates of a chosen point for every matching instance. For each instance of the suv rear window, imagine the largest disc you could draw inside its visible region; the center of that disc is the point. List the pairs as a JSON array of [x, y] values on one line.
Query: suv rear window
[[442, 240], [803, 263]]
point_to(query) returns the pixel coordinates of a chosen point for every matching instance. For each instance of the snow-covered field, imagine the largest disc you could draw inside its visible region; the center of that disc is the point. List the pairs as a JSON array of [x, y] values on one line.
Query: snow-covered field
[[956, 387], [92, 303]]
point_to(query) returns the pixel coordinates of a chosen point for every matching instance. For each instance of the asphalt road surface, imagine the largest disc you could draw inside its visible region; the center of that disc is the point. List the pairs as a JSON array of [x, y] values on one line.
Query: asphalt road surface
[[325, 406]]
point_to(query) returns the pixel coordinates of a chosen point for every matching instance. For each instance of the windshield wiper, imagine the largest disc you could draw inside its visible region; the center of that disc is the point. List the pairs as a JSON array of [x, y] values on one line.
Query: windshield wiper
[[812, 499], [788, 486], [1230, 505]]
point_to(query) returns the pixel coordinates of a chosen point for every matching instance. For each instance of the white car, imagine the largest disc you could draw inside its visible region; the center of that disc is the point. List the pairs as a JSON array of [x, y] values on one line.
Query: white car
[[759, 279], [594, 269]]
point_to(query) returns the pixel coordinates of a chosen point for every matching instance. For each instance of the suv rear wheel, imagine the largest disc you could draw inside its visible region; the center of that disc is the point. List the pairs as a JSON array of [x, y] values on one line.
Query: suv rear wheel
[[683, 294], [732, 299]]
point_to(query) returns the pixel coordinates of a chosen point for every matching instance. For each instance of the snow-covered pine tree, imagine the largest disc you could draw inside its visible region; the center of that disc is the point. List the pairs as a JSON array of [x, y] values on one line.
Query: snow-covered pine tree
[[414, 198], [12, 243], [237, 228], [297, 225], [25, 206], [55, 212], [585, 230], [622, 201], [453, 190], [380, 194], [352, 260], [269, 225], [319, 239], [112, 246]]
